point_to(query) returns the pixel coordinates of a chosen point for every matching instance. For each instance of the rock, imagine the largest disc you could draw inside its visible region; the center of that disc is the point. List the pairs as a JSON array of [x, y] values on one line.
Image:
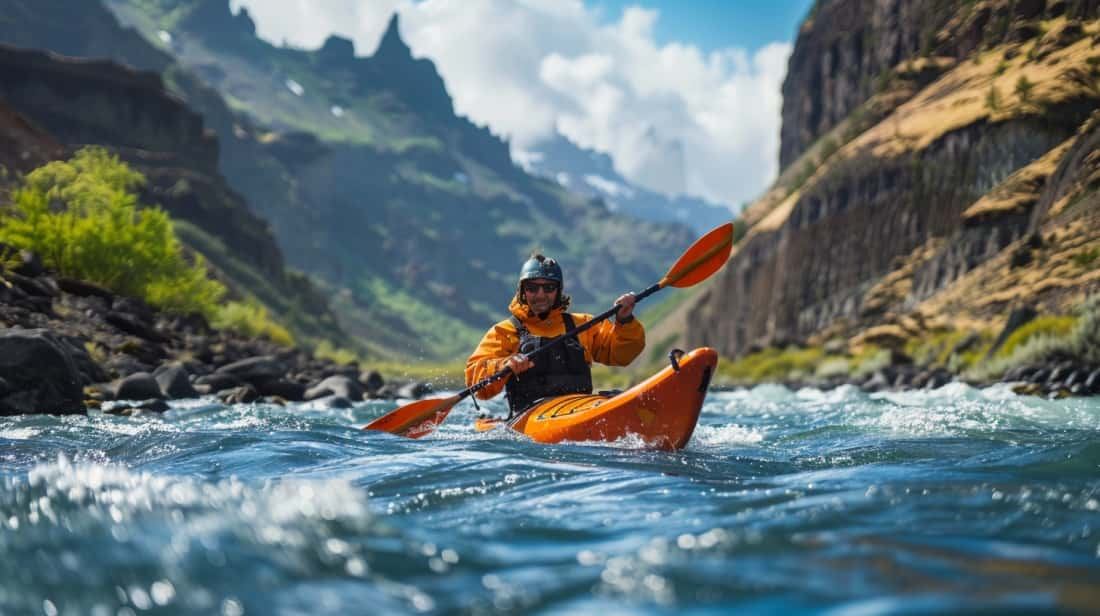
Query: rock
[[281, 388], [30, 264], [1092, 382], [134, 307], [898, 358], [35, 287], [336, 402], [1075, 377], [134, 326], [123, 365], [414, 390], [174, 382], [139, 386], [84, 289], [146, 351], [218, 381], [1022, 32], [372, 380], [1029, 9], [881, 380], [133, 410], [39, 374], [244, 394], [1039, 376], [1019, 373], [336, 385], [939, 378], [90, 371], [254, 370], [1027, 389]]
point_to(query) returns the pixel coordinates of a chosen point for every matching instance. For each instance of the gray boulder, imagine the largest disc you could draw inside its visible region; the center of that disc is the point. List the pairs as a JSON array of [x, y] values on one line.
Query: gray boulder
[[414, 390], [239, 395], [372, 380], [38, 373], [255, 370], [338, 385], [174, 382], [138, 386]]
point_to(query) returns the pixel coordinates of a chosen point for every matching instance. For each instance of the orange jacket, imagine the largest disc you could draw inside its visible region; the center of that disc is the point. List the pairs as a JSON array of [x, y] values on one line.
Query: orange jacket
[[609, 343]]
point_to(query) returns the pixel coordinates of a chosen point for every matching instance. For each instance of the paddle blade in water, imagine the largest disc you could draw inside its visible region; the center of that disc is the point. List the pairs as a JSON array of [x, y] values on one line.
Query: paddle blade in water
[[415, 420], [707, 255]]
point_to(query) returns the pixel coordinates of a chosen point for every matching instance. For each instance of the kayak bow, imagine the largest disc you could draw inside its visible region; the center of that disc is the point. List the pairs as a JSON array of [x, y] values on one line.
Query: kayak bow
[[662, 410]]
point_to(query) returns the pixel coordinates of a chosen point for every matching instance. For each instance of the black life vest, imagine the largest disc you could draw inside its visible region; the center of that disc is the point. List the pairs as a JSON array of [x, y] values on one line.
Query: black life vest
[[559, 371]]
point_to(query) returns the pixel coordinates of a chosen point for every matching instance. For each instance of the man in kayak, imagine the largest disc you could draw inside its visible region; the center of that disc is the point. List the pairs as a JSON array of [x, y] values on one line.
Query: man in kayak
[[538, 316]]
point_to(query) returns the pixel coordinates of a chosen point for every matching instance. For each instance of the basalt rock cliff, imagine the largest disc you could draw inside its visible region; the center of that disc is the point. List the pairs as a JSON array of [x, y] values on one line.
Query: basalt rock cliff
[[939, 170]]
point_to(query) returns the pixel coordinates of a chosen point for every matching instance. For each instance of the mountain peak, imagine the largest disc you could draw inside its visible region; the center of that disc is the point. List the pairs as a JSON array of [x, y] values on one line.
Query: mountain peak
[[393, 47]]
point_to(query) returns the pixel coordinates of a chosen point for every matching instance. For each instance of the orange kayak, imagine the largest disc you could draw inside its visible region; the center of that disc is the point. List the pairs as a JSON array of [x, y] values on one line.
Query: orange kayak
[[662, 410]]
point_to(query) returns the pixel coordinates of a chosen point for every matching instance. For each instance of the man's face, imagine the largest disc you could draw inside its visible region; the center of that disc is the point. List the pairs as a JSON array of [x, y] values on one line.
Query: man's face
[[540, 294]]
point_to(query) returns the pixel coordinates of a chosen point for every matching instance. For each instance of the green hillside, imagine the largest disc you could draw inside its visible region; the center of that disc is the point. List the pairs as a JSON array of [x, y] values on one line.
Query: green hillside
[[414, 219]]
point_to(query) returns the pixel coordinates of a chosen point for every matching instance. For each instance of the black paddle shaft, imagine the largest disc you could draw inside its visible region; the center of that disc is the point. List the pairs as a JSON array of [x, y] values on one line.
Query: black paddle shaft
[[576, 331]]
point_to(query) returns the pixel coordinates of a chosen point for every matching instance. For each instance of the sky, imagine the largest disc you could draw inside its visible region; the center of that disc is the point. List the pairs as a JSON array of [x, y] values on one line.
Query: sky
[[656, 84]]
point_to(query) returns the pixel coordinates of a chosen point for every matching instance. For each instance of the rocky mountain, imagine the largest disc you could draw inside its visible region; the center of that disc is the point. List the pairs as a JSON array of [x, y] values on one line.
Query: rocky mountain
[[414, 218], [57, 104], [411, 219], [939, 172], [592, 174]]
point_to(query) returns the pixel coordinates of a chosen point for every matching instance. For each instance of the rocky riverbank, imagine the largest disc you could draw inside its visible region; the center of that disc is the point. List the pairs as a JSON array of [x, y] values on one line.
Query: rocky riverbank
[[1058, 376], [68, 345]]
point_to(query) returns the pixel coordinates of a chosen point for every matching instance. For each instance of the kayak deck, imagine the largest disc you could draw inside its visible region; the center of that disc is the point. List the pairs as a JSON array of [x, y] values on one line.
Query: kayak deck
[[662, 410]]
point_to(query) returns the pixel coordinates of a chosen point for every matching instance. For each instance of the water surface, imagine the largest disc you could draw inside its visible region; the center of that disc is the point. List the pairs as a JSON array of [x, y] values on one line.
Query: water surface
[[953, 500]]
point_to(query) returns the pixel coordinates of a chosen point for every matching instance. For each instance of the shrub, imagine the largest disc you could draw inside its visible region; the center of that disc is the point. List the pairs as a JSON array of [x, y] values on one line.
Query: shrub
[[252, 320], [1044, 326], [1023, 88], [772, 364], [82, 217], [993, 98]]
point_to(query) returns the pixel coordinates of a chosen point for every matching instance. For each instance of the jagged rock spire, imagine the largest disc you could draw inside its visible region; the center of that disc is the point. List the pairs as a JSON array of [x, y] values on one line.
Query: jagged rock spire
[[392, 46]]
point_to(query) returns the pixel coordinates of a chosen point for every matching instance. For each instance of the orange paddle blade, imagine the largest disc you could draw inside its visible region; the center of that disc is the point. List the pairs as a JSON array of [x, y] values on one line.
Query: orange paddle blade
[[415, 420], [707, 255]]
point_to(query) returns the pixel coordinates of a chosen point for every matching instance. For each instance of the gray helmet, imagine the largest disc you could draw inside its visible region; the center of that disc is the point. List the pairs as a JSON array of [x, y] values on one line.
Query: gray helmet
[[539, 266]]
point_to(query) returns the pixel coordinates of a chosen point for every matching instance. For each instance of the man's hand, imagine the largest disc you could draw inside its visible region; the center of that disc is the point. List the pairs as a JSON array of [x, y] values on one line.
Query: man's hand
[[626, 310], [519, 363]]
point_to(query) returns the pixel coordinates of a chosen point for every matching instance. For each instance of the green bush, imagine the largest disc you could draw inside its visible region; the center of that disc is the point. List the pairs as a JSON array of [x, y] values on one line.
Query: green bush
[[252, 320], [772, 364], [82, 217], [326, 350], [1044, 326]]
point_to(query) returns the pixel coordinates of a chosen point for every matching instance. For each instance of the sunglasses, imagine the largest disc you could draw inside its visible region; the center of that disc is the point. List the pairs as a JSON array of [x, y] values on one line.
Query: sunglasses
[[547, 287]]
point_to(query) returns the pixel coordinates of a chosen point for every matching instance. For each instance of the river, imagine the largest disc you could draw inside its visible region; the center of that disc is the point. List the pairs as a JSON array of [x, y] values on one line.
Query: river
[[840, 502]]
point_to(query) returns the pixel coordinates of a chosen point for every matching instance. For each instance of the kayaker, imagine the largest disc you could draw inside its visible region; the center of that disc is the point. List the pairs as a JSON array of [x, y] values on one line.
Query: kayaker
[[539, 315]]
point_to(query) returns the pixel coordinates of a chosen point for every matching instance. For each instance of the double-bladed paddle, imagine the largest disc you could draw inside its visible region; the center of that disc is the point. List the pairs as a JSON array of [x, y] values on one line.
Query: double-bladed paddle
[[707, 255]]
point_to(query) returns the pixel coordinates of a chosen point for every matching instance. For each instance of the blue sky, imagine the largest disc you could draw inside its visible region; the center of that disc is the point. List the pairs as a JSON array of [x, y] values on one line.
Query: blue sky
[[716, 24]]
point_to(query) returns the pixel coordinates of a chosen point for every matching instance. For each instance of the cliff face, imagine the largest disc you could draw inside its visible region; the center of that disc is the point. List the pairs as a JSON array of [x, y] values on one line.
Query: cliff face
[[24, 146], [847, 50], [101, 103], [900, 206]]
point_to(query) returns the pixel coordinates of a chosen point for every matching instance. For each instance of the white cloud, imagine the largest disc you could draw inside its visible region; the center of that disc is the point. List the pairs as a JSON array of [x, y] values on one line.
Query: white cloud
[[672, 117]]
